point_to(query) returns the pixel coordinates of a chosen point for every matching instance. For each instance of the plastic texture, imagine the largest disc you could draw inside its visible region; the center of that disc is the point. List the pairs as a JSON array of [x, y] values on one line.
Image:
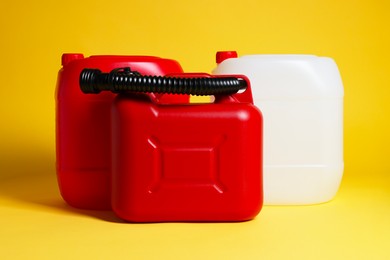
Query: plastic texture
[[198, 162], [83, 127], [301, 98]]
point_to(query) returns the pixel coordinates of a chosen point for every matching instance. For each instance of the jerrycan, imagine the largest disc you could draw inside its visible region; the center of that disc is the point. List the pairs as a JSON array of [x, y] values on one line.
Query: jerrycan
[[83, 145], [301, 98], [182, 162]]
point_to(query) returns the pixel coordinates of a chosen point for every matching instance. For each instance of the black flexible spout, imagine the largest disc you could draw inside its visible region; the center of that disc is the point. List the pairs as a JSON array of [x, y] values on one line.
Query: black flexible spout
[[125, 80]]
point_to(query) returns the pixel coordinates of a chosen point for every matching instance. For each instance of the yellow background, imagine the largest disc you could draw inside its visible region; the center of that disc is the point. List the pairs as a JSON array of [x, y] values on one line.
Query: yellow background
[[36, 224]]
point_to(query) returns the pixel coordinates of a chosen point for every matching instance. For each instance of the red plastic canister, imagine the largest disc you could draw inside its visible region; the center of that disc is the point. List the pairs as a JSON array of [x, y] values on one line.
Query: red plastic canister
[[83, 127], [198, 162]]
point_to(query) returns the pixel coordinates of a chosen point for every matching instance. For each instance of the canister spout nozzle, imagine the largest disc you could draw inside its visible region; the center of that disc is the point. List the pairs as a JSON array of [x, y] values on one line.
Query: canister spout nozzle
[[120, 80]]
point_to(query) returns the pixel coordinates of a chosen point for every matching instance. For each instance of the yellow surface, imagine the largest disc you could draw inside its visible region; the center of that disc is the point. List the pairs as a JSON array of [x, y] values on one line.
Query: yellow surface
[[36, 224]]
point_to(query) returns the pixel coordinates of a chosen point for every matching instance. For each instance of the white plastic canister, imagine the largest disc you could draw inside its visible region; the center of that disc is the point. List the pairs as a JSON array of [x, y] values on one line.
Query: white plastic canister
[[301, 98]]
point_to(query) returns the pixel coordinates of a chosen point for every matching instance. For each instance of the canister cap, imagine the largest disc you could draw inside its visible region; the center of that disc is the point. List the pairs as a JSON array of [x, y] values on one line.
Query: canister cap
[[68, 57], [224, 55]]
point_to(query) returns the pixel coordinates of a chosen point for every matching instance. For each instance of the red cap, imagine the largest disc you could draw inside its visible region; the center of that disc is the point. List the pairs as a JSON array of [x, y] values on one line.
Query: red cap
[[68, 57], [224, 55]]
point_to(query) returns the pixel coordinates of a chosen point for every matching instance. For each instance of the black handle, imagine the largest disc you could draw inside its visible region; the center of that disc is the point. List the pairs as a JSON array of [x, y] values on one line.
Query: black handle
[[124, 80]]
